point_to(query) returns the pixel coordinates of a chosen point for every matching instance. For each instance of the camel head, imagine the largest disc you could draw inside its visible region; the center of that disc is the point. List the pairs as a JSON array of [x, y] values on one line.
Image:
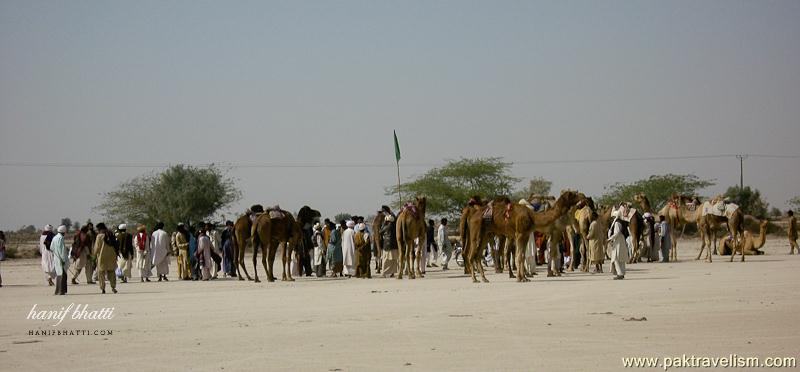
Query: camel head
[[421, 202], [308, 215], [569, 198], [639, 197]]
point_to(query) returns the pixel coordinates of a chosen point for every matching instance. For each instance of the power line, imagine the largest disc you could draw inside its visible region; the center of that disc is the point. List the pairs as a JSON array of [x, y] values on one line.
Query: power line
[[29, 164]]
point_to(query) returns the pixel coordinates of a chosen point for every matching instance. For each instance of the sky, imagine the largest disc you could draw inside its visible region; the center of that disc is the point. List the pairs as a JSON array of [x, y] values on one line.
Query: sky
[[324, 82]]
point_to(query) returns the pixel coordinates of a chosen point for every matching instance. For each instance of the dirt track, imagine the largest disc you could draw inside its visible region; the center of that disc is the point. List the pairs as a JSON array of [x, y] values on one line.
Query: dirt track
[[442, 322]]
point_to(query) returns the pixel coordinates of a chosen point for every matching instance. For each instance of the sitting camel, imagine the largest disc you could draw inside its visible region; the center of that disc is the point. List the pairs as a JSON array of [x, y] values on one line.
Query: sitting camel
[[750, 244]]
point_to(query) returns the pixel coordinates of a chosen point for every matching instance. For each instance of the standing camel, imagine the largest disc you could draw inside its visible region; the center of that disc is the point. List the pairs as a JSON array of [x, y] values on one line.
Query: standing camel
[[268, 234], [410, 227], [242, 230], [710, 223], [514, 221], [680, 211]]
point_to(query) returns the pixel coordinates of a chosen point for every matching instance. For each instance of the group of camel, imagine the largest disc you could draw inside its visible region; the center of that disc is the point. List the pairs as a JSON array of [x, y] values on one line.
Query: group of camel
[[572, 213], [481, 221]]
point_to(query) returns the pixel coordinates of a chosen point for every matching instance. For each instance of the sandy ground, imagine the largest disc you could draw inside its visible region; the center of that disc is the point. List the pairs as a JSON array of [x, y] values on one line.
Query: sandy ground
[[441, 322]]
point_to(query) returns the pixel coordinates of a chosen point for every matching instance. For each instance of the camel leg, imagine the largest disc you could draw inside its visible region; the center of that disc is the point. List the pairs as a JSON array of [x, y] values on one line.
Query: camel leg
[[255, 263], [240, 262], [418, 257], [273, 250], [508, 256], [673, 254], [412, 258], [401, 261], [521, 241]]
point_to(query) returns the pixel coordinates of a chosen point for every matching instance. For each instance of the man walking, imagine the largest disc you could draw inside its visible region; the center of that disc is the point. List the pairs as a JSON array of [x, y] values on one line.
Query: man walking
[[159, 245], [125, 261], [105, 250], [792, 233], [444, 243], [81, 252]]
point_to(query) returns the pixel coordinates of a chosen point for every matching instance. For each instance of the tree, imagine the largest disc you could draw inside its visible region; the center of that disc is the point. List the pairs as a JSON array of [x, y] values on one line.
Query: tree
[[181, 193], [343, 216], [794, 203], [537, 185], [449, 187], [749, 200], [775, 212], [66, 221], [657, 188]]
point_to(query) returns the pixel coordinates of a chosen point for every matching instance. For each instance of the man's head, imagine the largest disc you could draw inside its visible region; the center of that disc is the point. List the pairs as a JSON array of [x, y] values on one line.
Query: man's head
[[430, 222], [662, 218], [790, 213], [444, 221], [101, 227], [228, 223], [122, 227], [159, 225], [62, 229]]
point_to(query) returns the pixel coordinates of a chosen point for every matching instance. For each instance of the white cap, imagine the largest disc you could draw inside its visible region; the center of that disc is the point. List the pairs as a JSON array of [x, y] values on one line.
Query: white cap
[[62, 229], [350, 223], [647, 215], [48, 227], [122, 226]]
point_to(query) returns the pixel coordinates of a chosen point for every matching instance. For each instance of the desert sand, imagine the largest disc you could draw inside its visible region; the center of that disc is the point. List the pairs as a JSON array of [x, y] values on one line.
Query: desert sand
[[441, 322]]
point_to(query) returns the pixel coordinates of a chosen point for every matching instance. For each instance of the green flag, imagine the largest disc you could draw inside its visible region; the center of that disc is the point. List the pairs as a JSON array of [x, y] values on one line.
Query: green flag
[[396, 147]]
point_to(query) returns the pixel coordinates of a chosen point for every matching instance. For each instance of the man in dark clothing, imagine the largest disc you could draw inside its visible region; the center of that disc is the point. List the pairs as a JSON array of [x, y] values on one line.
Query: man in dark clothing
[[431, 249]]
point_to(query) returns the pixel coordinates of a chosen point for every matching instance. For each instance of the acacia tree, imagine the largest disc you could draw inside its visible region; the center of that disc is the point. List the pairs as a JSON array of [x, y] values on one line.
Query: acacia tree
[[537, 186], [448, 188], [181, 193], [794, 202], [749, 200], [657, 188]]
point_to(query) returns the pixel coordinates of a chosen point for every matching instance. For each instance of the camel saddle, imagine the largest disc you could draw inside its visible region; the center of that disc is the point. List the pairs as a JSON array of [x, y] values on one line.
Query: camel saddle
[[411, 208], [276, 213], [488, 212], [720, 208]]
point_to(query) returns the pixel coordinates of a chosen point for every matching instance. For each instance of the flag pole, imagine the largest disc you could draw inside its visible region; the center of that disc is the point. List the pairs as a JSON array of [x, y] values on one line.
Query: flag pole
[[397, 160], [399, 193]]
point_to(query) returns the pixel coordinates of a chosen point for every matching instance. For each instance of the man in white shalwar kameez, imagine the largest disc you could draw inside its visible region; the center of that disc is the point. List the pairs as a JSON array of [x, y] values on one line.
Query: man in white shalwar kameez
[[349, 250], [60, 260], [159, 245], [204, 255], [141, 244], [619, 248], [47, 256]]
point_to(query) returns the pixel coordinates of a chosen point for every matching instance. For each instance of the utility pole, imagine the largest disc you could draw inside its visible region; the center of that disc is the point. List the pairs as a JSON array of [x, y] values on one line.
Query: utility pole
[[741, 170]]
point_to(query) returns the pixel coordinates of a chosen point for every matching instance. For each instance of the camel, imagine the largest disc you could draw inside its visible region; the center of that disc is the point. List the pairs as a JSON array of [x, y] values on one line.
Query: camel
[[710, 223], [475, 205], [636, 227], [750, 245], [643, 201], [241, 236], [582, 218], [410, 227], [678, 213], [514, 221], [268, 233]]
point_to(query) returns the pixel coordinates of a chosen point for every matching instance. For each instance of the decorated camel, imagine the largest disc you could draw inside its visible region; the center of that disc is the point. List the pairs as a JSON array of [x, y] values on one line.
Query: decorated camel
[[410, 227], [514, 221], [750, 245], [710, 223], [274, 228]]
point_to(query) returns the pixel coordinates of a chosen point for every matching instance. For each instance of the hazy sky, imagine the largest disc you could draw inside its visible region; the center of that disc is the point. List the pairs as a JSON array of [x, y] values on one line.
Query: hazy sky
[[167, 82]]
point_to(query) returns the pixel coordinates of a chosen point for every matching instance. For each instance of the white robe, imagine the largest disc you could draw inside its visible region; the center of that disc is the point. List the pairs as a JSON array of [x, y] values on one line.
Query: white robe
[[349, 252], [60, 255], [143, 262], [619, 249], [48, 267], [159, 245], [318, 249], [204, 248]]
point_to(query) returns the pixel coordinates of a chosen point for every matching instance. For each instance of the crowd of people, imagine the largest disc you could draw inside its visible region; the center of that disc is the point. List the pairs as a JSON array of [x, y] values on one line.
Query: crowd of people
[[345, 249]]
